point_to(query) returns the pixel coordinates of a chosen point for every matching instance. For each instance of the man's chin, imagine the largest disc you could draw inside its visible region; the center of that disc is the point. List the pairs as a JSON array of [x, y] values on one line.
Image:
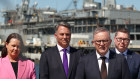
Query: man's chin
[[121, 48], [102, 52], [65, 44]]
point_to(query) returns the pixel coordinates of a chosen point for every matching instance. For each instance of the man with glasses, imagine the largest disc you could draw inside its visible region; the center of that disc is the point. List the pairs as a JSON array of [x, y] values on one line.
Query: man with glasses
[[102, 63], [121, 41]]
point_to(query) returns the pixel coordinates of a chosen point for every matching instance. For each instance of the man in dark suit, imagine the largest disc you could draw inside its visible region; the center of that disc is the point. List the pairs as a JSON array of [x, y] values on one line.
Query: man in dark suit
[[60, 62], [121, 41], [103, 63]]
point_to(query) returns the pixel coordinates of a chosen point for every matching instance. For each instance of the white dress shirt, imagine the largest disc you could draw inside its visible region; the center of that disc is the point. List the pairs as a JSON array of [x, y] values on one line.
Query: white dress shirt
[[100, 60], [124, 53], [60, 49]]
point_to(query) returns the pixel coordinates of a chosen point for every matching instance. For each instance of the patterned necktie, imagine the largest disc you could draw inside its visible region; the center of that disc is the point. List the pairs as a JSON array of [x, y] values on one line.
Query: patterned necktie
[[103, 68], [65, 62]]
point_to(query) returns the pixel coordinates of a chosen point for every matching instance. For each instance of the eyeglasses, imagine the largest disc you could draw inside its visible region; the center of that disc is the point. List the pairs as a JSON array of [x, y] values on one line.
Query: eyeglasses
[[103, 41], [124, 39]]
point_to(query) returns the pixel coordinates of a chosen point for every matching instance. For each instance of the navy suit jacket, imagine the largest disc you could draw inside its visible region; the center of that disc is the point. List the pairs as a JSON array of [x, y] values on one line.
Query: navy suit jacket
[[51, 66], [88, 67], [133, 60]]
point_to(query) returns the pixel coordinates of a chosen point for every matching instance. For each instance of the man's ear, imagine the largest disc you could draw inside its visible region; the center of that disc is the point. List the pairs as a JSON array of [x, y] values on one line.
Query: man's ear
[[55, 35]]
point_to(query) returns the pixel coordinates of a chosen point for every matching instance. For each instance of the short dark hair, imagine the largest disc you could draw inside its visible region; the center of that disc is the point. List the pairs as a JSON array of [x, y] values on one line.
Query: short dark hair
[[124, 30], [65, 24], [12, 35]]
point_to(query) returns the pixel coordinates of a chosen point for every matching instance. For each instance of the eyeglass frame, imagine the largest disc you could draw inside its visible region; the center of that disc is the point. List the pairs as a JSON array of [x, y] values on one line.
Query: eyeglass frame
[[126, 40], [99, 41]]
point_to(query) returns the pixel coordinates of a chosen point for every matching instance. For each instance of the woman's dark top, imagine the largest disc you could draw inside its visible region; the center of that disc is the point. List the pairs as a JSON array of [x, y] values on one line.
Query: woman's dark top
[[15, 67]]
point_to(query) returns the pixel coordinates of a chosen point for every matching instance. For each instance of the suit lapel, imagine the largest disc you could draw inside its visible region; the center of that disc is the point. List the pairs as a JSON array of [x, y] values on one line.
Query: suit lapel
[[8, 66], [72, 58], [129, 57], [114, 50], [58, 58], [21, 68], [112, 61], [95, 60]]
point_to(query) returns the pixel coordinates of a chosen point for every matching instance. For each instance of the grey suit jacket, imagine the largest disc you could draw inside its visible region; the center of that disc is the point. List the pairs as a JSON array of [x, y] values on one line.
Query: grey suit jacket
[[133, 61], [88, 67], [51, 66]]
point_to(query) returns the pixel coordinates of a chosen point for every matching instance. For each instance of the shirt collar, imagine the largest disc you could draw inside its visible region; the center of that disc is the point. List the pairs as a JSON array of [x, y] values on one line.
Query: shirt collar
[[125, 52], [60, 48], [106, 55]]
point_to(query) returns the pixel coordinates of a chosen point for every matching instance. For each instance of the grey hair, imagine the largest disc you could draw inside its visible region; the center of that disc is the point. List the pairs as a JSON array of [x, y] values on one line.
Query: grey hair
[[100, 29], [65, 24]]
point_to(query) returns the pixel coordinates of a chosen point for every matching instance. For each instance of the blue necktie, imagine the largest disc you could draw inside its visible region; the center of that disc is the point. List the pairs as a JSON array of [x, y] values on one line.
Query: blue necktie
[[65, 62]]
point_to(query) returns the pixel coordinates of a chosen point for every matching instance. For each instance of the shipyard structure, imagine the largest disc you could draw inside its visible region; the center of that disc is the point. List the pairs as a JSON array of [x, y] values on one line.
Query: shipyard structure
[[36, 25]]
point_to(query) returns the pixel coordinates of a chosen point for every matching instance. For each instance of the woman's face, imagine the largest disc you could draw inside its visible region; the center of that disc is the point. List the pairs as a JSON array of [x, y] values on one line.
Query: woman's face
[[13, 48]]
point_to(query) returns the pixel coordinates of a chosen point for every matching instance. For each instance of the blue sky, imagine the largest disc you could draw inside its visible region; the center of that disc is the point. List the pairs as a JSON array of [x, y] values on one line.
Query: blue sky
[[60, 4]]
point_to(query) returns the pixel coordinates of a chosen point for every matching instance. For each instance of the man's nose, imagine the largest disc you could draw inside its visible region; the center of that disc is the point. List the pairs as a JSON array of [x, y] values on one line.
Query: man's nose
[[102, 43], [122, 41], [16, 48], [65, 35]]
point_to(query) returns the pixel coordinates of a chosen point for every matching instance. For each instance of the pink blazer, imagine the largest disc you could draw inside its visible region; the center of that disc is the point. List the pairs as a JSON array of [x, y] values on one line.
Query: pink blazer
[[26, 69]]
